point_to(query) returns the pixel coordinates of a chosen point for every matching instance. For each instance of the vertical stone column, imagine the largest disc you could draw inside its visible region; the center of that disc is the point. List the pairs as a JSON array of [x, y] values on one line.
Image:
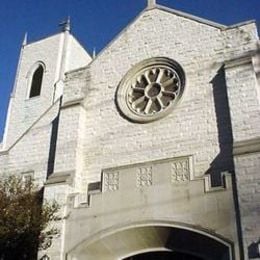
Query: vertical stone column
[[242, 88], [244, 103], [57, 189]]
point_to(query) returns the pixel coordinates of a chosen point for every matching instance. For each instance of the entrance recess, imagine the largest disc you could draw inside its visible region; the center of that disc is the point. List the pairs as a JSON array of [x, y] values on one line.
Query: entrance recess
[[163, 256], [154, 243]]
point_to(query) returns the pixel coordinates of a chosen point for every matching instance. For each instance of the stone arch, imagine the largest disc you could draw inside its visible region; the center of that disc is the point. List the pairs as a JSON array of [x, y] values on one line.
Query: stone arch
[[124, 242]]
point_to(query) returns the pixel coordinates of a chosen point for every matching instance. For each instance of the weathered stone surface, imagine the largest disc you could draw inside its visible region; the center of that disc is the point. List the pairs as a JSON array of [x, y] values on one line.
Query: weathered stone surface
[[114, 177]]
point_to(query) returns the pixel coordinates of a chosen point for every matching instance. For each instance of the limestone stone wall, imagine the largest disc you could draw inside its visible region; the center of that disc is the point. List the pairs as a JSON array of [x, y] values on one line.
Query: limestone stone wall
[[219, 108], [242, 87], [31, 153], [247, 172], [29, 143], [23, 110], [77, 55], [194, 126], [146, 195], [244, 103], [202, 124]]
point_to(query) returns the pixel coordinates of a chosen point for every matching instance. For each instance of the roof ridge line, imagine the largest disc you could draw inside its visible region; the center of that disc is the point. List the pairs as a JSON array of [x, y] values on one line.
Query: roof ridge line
[[189, 16]]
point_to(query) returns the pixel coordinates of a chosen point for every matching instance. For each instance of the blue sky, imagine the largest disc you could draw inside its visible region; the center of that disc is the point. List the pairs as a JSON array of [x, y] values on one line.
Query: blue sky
[[94, 23]]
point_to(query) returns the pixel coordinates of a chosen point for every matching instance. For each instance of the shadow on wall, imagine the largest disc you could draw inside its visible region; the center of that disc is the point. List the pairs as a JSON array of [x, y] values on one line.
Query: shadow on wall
[[53, 143], [224, 160], [185, 244], [197, 244]]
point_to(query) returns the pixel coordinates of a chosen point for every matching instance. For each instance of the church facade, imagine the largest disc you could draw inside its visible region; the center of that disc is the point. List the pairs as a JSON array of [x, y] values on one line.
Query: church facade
[[152, 148]]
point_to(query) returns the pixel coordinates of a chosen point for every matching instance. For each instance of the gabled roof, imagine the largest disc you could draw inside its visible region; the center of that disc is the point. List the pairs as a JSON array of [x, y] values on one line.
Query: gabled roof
[[188, 16], [177, 13], [196, 18]]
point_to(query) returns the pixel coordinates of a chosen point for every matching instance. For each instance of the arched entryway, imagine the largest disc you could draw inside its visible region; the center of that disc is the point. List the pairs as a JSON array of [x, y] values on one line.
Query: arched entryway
[[153, 242]]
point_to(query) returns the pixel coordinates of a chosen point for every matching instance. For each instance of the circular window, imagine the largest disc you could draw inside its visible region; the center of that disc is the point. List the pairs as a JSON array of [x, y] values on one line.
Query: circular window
[[150, 89]]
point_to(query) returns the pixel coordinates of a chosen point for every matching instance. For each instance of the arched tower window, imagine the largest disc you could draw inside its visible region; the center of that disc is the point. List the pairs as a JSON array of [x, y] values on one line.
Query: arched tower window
[[36, 82]]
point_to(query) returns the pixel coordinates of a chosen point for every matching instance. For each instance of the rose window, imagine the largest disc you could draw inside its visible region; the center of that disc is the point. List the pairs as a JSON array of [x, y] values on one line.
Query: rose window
[[151, 89]]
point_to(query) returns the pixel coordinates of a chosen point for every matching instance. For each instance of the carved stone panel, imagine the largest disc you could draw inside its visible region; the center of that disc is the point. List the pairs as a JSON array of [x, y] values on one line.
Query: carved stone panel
[[155, 173], [180, 171], [144, 177], [111, 181]]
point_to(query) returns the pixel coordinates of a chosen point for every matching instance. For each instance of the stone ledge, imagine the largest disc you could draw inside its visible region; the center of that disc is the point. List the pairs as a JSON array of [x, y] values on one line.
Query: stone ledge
[[171, 173], [239, 61], [71, 103], [246, 146], [60, 178], [4, 152], [85, 200]]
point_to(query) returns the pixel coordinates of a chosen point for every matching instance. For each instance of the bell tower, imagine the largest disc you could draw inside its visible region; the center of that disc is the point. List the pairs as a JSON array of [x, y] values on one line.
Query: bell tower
[[39, 79]]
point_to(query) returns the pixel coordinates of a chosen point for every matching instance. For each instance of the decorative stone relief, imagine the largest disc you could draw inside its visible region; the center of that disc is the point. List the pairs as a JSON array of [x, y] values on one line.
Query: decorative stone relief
[[144, 177], [180, 171], [111, 181], [27, 176]]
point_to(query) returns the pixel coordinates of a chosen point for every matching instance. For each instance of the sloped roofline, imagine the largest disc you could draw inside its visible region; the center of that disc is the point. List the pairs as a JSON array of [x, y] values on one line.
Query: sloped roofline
[[188, 16], [54, 35], [43, 38], [172, 11], [199, 19]]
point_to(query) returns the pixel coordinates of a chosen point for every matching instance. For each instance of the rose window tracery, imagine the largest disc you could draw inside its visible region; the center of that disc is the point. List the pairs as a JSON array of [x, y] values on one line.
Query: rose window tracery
[[153, 90], [150, 89]]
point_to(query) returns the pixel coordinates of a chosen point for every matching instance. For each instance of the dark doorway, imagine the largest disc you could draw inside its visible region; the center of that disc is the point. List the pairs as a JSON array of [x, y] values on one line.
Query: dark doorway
[[163, 256]]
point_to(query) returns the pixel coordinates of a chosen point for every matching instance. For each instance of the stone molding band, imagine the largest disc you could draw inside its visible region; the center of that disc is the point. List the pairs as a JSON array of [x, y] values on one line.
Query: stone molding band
[[247, 146]]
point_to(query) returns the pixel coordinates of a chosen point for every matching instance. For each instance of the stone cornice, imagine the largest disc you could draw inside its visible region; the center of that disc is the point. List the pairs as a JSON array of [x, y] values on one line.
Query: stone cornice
[[60, 178], [239, 61], [4, 152], [246, 146], [71, 103]]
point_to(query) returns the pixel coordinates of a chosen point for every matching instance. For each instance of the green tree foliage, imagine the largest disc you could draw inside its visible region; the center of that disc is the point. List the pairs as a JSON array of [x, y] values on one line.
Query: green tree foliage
[[26, 222]]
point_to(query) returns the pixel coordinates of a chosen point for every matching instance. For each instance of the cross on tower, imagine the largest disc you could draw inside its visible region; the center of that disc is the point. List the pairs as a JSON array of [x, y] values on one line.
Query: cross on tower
[[65, 25], [151, 3]]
